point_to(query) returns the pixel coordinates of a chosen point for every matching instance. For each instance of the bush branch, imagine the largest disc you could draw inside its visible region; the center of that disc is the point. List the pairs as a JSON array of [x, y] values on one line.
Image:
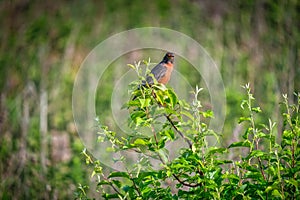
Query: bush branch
[[186, 184], [178, 131]]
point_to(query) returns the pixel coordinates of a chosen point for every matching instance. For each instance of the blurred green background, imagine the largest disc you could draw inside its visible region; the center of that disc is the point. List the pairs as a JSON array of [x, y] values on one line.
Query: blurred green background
[[44, 43]]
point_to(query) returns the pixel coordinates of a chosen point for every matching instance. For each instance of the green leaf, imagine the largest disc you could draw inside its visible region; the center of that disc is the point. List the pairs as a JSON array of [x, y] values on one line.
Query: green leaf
[[253, 175], [232, 177], [100, 139], [184, 104], [118, 174], [160, 87], [251, 168], [111, 196], [208, 114], [292, 182], [187, 114], [276, 193], [248, 131], [161, 143], [221, 162], [262, 135], [117, 183], [140, 141], [159, 98], [256, 154], [242, 119], [244, 102], [110, 149], [104, 182], [145, 102], [146, 190], [240, 144], [169, 134], [137, 114], [131, 66], [256, 109], [163, 155], [173, 98], [213, 150], [139, 121], [268, 189]]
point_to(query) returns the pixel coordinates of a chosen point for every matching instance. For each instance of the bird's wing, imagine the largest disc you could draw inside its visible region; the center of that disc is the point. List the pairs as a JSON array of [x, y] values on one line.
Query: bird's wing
[[158, 72]]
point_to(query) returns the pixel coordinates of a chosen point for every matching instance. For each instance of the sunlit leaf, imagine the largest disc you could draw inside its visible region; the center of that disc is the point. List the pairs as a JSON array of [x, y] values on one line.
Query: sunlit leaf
[[118, 174], [140, 141], [240, 144], [208, 114], [144, 102], [104, 182], [187, 114], [173, 98], [276, 193], [131, 66], [242, 119], [256, 109]]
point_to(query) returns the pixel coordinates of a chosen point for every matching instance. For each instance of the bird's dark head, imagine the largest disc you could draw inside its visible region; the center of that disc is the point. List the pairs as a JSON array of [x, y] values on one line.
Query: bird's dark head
[[169, 57]]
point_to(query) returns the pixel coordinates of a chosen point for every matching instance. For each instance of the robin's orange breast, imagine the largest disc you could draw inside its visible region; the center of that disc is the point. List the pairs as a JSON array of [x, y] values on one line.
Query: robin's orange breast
[[165, 79]]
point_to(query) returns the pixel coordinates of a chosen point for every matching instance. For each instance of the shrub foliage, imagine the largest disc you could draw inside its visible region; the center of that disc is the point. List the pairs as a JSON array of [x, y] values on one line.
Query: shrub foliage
[[262, 166]]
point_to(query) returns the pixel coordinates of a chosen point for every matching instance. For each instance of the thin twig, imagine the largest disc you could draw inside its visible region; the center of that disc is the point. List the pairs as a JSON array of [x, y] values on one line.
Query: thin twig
[[186, 184], [135, 186], [113, 187], [185, 138], [178, 131], [259, 161]]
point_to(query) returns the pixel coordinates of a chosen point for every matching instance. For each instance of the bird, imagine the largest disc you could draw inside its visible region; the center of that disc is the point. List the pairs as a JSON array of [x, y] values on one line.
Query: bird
[[162, 71]]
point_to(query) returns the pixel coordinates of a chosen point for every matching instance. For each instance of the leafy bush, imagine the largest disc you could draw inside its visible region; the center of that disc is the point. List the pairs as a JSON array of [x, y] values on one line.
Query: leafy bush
[[266, 167]]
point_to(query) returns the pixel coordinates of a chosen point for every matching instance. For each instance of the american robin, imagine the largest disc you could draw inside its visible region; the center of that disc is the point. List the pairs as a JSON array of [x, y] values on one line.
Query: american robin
[[162, 71]]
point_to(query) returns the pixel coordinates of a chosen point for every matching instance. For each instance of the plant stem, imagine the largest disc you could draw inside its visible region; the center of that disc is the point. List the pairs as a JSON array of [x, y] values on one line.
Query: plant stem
[[255, 139], [186, 184], [178, 131]]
